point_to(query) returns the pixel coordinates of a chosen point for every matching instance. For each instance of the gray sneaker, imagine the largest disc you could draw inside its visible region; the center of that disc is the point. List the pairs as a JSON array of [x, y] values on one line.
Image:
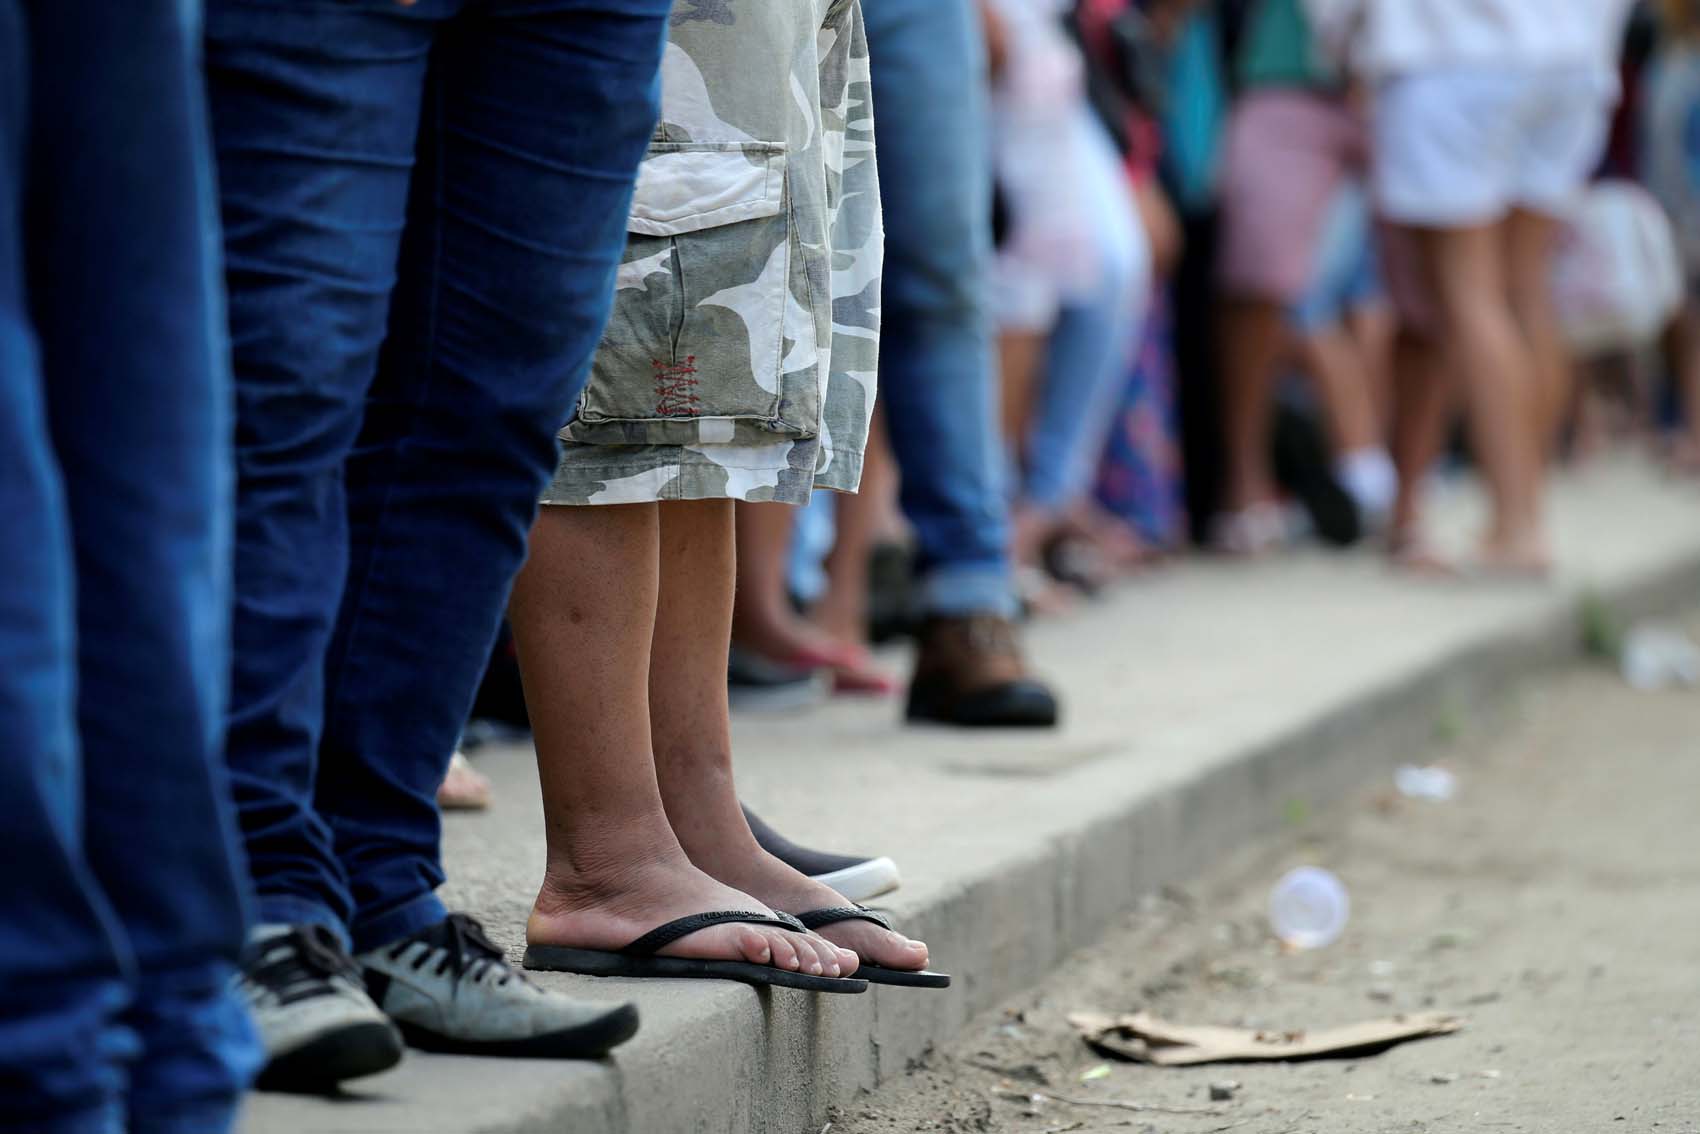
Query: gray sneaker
[[318, 1024], [450, 989]]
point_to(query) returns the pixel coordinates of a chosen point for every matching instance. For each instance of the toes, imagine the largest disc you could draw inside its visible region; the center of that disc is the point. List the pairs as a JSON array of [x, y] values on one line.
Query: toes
[[848, 961], [785, 954], [807, 956], [753, 945], [906, 953], [891, 950]]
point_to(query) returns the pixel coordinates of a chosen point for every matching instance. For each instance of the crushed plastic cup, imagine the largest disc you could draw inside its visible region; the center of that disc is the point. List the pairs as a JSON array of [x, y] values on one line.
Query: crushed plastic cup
[[1432, 782], [1308, 908], [1659, 657]]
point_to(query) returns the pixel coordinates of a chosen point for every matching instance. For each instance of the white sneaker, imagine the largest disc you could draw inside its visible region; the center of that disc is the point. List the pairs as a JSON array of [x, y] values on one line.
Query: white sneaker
[[856, 877], [318, 1024], [450, 989]]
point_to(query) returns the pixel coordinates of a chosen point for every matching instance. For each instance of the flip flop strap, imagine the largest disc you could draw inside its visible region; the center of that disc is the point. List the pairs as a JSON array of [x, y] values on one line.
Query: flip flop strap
[[817, 919], [662, 936]]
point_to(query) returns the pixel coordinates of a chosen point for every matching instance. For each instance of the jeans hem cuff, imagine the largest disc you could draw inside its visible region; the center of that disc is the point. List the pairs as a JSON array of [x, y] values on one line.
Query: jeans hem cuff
[[402, 921], [292, 909], [956, 592]]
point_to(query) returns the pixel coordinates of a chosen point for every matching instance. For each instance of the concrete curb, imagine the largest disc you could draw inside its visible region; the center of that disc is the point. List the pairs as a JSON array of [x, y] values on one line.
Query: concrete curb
[[777, 1063], [1069, 857]]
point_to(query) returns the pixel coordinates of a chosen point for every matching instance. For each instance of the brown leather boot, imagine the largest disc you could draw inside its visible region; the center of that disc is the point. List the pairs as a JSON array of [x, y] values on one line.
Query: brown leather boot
[[970, 672]]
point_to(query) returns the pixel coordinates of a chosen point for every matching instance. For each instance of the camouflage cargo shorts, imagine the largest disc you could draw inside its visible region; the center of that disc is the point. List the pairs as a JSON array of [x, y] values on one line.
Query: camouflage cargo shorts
[[740, 359]]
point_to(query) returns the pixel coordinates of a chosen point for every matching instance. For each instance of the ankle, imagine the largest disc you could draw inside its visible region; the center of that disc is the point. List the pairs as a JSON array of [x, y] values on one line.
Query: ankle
[[716, 838], [603, 858]]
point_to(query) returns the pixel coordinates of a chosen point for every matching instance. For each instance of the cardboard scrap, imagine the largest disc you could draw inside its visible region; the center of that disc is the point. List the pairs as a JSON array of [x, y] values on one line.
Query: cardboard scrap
[[1144, 1038]]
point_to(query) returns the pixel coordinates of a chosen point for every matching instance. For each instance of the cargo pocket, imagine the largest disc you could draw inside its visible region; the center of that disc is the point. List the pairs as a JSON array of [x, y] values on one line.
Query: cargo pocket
[[704, 323]]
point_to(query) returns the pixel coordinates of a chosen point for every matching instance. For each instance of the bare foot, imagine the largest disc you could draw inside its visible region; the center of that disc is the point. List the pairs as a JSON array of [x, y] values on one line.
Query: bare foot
[[1249, 532], [464, 788], [798, 643], [1684, 456], [1041, 596], [735, 858], [1411, 553], [1115, 539], [1524, 557], [610, 906], [789, 638]]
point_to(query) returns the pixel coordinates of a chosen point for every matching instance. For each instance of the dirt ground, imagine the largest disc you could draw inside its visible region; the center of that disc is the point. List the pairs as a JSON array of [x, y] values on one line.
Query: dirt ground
[[1554, 902]]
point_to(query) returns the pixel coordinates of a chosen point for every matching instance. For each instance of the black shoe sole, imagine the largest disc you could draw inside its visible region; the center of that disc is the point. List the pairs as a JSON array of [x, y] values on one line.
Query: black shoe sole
[[590, 1040], [602, 963], [335, 1057], [1019, 706]]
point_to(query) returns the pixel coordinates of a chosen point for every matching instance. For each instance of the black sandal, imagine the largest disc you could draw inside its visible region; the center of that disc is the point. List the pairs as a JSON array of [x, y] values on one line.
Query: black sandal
[[639, 960], [872, 973]]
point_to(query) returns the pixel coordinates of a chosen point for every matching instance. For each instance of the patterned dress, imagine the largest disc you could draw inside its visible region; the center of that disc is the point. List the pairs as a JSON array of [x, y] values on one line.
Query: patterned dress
[[741, 355]]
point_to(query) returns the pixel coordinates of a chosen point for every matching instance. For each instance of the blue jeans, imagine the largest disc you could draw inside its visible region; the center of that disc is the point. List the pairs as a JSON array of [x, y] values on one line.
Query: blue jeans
[[937, 379], [123, 908], [424, 208]]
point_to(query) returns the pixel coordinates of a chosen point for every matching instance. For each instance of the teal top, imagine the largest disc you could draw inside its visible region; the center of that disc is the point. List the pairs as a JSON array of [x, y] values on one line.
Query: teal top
[[1279, 51], [1197, 109]]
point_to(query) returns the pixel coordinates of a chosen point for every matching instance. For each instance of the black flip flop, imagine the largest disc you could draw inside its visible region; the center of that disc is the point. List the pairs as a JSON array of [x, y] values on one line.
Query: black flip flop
[[639, 960], [874, 974]]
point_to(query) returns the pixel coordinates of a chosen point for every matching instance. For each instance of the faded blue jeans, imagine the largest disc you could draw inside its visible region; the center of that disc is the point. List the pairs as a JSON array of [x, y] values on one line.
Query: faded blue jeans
[[1091, 345], [937, 377], [424, 209], [122, 911]]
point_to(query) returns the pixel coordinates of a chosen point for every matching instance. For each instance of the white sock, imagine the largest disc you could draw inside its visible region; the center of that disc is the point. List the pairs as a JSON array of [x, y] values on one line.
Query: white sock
[[1369, 477]]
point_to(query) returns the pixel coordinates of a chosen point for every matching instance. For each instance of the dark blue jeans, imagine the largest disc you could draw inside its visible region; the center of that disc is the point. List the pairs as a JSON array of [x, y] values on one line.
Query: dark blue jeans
[[424, 208], [937, 376], [122, 908]]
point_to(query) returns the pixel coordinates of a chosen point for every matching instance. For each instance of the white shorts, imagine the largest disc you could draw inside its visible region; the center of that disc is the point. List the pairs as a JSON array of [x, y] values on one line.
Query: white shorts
[[1459, 148], [1073, 235]]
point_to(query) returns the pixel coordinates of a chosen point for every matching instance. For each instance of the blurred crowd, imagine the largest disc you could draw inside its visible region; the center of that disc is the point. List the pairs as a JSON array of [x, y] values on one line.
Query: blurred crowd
[[382, 377], [1250, 285]]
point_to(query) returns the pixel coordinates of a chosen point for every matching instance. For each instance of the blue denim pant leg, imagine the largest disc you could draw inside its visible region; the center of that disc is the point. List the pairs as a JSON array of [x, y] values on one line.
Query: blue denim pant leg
[[315, 112], [122, 228], [63, 972], [421, 464], [936, 370]]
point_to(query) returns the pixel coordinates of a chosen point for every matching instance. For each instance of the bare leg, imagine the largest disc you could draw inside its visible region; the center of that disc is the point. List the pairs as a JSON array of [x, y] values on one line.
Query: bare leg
[[765, 620], [1682, 353], [861, 520], [1373, 327], [1530, 238], [1020, 354], [1486, 349], [1332, 359], [692, 734], [1425, 400], [1342, 377], [1254, 333], [583, 611]]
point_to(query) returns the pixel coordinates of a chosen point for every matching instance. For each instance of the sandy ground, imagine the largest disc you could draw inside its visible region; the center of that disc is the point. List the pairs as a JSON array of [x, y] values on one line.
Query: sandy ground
[[1555, 903]]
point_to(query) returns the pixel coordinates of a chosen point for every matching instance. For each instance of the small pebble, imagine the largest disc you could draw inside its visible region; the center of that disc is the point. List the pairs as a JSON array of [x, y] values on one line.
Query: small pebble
[[1443, 1077], [1381, 993], [1223, 1090]]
